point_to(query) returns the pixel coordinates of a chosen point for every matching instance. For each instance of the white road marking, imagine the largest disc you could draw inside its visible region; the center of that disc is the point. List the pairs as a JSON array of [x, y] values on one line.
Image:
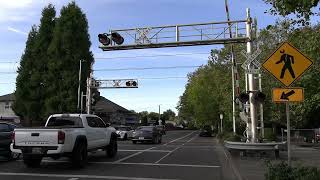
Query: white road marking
[[175, 149], [192, 138], [167, 155], [133, 150], [179, 138], [135, 154], [73, 179], [79, 176], [144, 164]]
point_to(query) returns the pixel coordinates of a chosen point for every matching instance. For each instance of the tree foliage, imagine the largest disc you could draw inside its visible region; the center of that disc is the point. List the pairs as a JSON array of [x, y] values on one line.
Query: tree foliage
[[47, 80], [303, 9], [208, 91], [70, 44], [31, 82]]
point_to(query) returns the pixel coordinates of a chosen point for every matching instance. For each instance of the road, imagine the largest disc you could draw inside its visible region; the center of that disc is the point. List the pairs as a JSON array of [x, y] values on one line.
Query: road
[[182, 155]]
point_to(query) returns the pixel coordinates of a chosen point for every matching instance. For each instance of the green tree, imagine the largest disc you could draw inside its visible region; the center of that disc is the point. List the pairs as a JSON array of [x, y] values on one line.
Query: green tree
[[143, 117], [303, 9], [44, 38], [69, 45], [23, 105], [167, 115]]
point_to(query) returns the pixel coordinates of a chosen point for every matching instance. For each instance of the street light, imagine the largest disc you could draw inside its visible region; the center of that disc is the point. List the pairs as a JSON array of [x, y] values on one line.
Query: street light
[[221, 117]]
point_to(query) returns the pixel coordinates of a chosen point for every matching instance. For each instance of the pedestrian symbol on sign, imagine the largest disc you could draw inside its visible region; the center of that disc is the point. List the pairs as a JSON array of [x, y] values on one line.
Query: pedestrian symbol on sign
[[288, 61], [287, 64]]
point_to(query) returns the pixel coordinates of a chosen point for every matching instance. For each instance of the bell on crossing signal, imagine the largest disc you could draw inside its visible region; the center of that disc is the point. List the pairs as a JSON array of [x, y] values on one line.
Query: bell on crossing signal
[[132, 83], [259, 97], [117, 38], [104, 39], [243, 97]]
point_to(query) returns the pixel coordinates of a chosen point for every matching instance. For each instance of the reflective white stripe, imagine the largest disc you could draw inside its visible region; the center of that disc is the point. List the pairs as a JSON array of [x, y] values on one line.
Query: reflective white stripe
[[77, 176]]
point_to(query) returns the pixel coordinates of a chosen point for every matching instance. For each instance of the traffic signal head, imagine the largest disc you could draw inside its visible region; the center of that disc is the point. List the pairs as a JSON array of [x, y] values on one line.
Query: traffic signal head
[[243, 97], [117, 38], [132, 83], [259, 97], [104, 39]]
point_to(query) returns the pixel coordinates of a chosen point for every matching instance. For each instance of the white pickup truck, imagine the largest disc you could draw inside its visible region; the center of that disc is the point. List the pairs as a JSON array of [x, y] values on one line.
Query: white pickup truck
[[70, 135]]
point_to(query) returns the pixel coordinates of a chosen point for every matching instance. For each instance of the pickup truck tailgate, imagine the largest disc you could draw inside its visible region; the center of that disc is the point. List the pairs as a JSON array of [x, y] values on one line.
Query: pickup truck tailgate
[[36, 137]]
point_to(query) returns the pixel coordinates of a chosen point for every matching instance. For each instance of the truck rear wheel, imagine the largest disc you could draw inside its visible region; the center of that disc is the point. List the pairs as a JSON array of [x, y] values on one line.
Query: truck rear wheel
[[112, 148], [32, 161], [79, 155]]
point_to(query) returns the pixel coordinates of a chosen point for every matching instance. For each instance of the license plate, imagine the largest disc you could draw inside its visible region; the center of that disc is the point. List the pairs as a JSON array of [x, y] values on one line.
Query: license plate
[[141, 138], [36, 150]]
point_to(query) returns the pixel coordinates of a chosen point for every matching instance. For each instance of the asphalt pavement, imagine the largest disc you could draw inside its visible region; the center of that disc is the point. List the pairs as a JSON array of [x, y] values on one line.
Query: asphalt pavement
[[181, 155]]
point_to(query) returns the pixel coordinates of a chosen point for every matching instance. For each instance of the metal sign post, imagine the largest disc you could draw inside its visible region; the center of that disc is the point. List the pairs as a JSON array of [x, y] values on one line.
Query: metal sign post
[[288, 133]]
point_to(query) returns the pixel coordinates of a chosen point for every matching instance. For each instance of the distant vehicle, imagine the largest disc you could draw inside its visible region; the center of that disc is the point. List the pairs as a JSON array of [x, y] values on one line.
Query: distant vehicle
[[162, 129], [206, 132], [124, 132], [147, 134], [70, 135], [6, 132]]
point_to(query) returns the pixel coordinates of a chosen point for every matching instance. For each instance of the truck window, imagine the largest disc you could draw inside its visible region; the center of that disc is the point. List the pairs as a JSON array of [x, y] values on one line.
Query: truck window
[[65, 121], [95, 122], [4, 128]]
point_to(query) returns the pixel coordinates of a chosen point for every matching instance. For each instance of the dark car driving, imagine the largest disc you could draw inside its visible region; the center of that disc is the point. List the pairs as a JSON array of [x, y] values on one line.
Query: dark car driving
[[206, 132], [6, 132], [147, 134]]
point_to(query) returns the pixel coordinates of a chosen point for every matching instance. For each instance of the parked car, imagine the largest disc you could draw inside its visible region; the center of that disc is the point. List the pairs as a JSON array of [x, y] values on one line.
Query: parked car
[[147, 134], [6, 132], [162, 129], [70, 135], [206, 132], [124, 132]]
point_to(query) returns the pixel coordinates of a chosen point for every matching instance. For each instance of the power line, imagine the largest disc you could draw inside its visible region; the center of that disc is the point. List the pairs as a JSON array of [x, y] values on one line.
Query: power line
[[160, 78], [129, 57], [147, 68], [126, 69], [146, 56], [8, 62]]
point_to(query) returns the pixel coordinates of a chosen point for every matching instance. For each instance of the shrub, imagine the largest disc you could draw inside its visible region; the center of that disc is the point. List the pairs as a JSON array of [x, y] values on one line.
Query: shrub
[[281, 171]]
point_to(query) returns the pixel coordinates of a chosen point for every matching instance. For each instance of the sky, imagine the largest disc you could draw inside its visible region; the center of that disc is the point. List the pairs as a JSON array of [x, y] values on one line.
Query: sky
[[17, 17]]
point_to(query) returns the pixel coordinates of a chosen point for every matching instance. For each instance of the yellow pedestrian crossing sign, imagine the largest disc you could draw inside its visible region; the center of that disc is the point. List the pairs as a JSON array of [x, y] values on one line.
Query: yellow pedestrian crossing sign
[[287, 64]]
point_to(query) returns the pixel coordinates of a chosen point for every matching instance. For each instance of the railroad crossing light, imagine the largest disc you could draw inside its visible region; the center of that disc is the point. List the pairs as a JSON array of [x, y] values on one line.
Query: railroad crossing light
[[243, 97], [104, 39], [117, 38], [259, 97], [132, 83], [97, 83]]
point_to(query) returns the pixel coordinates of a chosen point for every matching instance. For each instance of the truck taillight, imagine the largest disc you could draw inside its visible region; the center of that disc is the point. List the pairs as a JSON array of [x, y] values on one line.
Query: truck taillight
[[13, 134], [61, 137]]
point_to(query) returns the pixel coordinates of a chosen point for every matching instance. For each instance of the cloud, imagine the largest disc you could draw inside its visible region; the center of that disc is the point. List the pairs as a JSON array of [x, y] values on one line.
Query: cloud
[[16, 30]]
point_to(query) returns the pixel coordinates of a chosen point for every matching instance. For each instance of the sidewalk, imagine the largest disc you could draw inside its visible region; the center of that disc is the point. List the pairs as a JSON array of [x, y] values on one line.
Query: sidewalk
[[253, 167]]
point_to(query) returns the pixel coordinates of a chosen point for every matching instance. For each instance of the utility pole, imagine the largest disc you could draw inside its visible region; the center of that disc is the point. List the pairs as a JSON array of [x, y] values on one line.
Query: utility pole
[[251, 82], [79, 85], [159, 115], [88, 94], [233, 72]]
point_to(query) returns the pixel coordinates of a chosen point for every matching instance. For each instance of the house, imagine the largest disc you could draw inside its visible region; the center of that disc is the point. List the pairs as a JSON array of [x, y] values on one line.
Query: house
[[106, 109], [114, 113], [6, 112]]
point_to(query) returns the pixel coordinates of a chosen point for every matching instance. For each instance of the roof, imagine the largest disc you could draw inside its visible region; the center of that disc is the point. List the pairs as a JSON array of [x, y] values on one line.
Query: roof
[[107, 106], [7, 97]]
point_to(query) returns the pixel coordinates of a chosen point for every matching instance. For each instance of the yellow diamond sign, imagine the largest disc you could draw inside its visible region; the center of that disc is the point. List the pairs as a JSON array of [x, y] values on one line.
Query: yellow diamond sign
[[287, 64]]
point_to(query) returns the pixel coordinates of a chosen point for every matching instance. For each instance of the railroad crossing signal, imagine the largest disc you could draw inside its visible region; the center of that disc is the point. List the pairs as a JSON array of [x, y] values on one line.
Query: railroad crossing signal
[[287, 64], [283, 95]]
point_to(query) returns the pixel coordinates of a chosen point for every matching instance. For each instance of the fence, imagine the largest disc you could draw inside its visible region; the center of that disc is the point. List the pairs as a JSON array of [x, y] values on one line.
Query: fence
[[302, 136]]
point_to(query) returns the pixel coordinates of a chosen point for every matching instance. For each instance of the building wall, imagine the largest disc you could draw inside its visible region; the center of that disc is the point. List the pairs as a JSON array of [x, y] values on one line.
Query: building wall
[[5, 109]]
